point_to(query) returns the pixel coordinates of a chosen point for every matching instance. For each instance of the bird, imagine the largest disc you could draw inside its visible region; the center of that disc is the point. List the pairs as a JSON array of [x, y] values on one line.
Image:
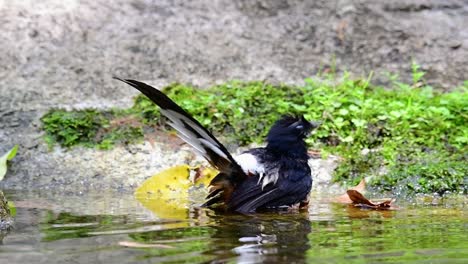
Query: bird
[[275, 176]]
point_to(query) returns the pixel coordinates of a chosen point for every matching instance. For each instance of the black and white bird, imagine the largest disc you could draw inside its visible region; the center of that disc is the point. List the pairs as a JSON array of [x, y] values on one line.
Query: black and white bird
[[277, 175]]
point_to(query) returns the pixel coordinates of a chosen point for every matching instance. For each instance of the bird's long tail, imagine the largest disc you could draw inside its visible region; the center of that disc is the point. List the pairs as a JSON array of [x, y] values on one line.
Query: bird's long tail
[[192, 132]]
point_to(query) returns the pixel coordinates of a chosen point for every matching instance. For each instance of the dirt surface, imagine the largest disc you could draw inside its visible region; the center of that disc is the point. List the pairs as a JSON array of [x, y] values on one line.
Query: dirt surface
[[63, 54]]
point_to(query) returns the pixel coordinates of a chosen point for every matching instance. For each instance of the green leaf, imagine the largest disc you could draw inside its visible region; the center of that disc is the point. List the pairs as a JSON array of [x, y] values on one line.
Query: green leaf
[[3, 160], [12, 152], [347, 139], [12, 207], [359, 122], [343, 112], [353, 108]]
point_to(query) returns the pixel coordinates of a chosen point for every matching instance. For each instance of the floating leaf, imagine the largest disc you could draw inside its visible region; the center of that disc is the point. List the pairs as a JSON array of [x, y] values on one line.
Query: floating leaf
[[3, 160], [171, 183], [354, 196], [360, 201], [167, 193], [361, 187]]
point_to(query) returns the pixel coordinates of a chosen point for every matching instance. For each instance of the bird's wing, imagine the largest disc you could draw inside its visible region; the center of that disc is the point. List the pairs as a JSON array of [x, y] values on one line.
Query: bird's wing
[[260, 200], [246, 199], [284, 183], [190, 130], [253, 162]]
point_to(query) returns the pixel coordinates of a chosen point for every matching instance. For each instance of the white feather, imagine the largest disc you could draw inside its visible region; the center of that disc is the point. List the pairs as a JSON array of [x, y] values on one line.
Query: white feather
[[177, 119], [191, 138], [213, 147], [249, 164], [195, 144]]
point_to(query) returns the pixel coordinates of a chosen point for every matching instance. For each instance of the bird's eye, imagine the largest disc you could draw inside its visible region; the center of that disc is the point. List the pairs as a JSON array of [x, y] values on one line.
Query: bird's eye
[[299, 127]]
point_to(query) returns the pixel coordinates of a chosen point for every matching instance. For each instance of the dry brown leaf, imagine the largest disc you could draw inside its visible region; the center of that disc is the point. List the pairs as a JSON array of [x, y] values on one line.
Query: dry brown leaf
[[354, 196], [357, 198], [360, 201], [361, 187]]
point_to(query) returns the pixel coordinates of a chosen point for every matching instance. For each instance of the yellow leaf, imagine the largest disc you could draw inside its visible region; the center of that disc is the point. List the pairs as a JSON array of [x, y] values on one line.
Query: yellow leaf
[[171, 183], [167, 193], [204, 175]]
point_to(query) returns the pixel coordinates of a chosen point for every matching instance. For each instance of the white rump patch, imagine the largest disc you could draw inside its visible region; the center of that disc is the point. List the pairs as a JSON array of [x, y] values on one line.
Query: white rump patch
[[250, 165]]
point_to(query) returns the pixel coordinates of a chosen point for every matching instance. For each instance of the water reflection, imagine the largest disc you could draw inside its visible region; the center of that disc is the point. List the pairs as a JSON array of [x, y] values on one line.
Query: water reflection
[[359, 213], [326, 233], [263, 237]]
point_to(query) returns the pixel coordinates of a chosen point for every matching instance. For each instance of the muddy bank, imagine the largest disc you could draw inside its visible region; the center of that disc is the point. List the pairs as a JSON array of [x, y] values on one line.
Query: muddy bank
[[63, 54]]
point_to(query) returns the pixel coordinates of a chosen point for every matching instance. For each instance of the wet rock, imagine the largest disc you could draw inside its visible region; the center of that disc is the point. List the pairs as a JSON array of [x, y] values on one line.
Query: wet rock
[[322, 172]]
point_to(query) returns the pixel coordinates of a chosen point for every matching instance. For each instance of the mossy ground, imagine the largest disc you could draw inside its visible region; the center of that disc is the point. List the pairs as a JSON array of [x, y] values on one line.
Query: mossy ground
[[417, 134]]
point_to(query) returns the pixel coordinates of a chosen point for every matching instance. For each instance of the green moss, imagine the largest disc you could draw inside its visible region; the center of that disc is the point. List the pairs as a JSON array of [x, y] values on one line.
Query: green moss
[[89, 128], [429, 173], [419, 135], [69, 128]]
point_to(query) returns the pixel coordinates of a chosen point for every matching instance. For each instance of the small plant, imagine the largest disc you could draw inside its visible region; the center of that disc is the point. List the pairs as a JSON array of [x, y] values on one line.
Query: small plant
[[416, 72], [69, 128], [4, 159], [88, 128]]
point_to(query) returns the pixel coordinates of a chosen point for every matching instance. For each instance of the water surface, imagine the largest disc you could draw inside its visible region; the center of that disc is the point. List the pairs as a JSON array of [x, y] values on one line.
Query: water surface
[[116, 228]]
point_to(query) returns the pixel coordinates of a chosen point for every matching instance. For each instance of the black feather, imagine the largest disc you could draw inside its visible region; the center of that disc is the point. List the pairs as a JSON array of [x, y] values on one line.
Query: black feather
[[218, 156], [293, 184]]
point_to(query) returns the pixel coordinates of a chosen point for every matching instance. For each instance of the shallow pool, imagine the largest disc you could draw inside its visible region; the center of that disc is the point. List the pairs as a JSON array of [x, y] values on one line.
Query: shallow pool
[[116, 228]]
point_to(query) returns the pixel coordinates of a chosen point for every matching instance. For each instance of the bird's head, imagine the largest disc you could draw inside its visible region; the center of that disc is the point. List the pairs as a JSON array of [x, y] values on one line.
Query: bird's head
[[289, 131]]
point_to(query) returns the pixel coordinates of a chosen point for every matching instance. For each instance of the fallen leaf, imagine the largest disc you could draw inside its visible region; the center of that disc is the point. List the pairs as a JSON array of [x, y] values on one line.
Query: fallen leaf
[[132, 244], [167, 193], [170, 183], [361, 187], [3, 161], [204, 175], [360, 201], [355, 197]]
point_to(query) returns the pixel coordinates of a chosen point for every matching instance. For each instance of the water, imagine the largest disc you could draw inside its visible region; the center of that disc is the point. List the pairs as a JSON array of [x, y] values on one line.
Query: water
[[116, 228]]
